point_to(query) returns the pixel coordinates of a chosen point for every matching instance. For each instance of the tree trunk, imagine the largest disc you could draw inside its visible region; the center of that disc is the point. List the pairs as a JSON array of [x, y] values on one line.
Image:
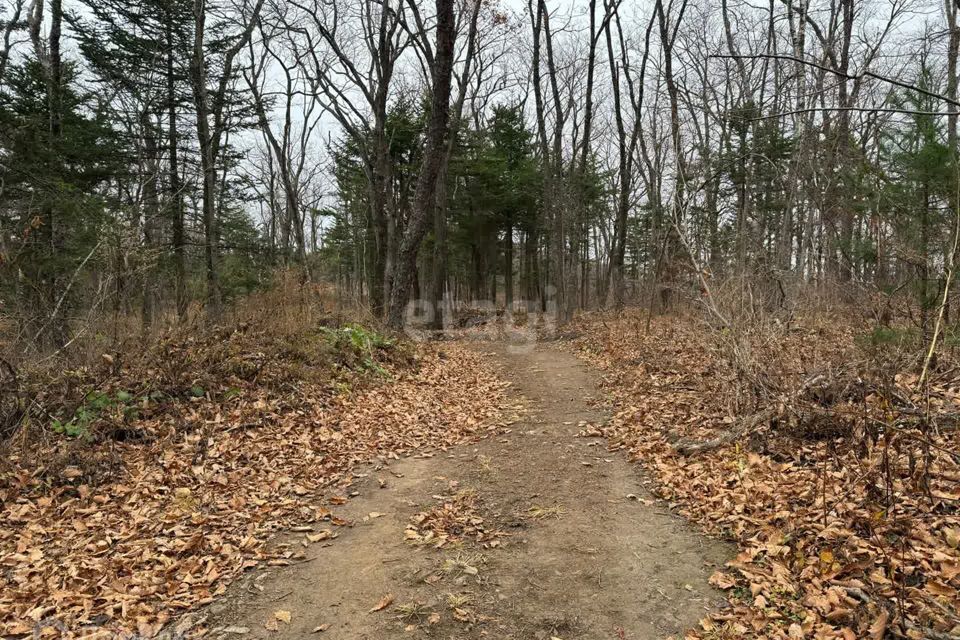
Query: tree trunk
[[151, 214], [670, 239], [438, 294], [508, 268], [424, 196], [439, 284], [207, 162], [175, 203], [531, 272], [840, 255]]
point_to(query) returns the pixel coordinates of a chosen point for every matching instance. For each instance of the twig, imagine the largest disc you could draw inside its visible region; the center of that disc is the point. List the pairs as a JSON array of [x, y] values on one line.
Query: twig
[[912, 112], [929, 634], [73, 278], [938, 326], [841, 74]]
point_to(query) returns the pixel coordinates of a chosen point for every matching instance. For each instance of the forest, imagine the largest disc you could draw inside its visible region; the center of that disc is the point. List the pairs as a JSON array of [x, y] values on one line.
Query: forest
[[160, 160], [261, 259]]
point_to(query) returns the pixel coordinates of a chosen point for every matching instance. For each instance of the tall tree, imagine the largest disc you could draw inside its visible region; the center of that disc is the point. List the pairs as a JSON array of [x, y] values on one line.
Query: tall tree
[[441, 71], [214, 118]]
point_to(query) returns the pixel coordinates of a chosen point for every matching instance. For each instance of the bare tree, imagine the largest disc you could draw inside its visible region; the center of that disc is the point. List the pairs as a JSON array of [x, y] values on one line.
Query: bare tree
[[441, 70], [289, 147], [668, 38], [438, 293], [213, 123], [621, 71], [9, 26], [48, 53], [352, 52]]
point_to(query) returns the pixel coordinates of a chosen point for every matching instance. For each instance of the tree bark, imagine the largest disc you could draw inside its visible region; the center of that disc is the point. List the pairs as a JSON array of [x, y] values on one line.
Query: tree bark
[[175, 197], [424, 196], [151, 214], [508, 267], [670, 239], [209, 134], [626, 148], [953, 50], [207, 160]]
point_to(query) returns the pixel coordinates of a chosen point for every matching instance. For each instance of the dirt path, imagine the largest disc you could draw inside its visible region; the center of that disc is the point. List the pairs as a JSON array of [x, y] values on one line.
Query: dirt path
[[588, 554]]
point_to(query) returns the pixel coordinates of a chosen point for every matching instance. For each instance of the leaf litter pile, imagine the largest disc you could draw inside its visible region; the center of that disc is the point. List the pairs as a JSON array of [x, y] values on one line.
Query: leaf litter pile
[[223, 441], [845, 506], [456, 519], [454, 523]]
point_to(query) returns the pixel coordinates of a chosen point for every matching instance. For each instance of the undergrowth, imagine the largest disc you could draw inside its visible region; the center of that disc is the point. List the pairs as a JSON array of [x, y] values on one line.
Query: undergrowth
[[803, 435], [65, 412]]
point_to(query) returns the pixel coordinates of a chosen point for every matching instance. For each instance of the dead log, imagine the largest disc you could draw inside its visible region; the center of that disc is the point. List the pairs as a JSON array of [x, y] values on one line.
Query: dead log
[[750, 423], [945, 422], [742, 428]]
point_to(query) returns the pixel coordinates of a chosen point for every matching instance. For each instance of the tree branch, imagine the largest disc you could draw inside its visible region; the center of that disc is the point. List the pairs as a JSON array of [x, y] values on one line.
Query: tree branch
[[841, 74]]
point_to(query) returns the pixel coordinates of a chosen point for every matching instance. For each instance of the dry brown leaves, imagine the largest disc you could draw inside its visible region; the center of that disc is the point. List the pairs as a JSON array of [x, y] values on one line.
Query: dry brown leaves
[[455, 519], [187, 511], [822, 552]]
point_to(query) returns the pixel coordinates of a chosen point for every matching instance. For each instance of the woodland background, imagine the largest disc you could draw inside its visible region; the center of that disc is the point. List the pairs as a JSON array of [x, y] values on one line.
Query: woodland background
[[161, 158]]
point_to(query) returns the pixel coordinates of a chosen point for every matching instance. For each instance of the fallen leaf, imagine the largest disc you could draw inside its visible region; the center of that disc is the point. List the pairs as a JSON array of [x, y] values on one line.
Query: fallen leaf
[[722, 580], [879, 627], [320, 536], [385, 602], [952, 536]]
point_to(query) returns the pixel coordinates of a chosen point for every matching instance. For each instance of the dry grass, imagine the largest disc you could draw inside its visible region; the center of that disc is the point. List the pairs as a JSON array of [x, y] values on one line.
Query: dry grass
[[413, 612], [542, 513], [463, 564], [458, 600], [276, 338], [485, 463]]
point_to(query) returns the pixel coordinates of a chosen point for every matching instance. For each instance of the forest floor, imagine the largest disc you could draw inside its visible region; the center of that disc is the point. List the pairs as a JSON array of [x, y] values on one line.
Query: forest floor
[[534, 533], [326, 481]]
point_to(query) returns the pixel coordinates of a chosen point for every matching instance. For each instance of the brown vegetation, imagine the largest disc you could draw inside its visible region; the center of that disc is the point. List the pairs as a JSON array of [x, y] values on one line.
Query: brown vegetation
[[139, 486], [809, 442]]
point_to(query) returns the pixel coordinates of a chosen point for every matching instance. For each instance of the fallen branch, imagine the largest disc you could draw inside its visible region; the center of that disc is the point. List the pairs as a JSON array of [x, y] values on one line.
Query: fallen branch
[[755, 421], [742, 428], [899, 416], [749, 424]]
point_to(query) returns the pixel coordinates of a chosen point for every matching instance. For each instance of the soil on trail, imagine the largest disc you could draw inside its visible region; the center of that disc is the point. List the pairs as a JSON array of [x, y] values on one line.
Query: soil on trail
[[579, 548]]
